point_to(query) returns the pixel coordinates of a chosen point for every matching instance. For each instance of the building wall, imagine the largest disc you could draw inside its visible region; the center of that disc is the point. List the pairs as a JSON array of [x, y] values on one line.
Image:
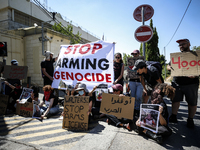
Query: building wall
[[15, 47], [33, 53]]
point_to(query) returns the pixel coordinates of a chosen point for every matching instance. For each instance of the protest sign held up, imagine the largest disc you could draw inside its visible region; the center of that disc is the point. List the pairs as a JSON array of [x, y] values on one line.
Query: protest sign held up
[[149, 116], [131, 63], [75, 112], [121, 107], [26, 94], [15, 72], [90, 64], [185, 63]]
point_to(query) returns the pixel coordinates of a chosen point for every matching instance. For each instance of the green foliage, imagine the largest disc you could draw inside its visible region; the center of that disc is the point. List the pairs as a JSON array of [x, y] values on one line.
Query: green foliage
[[125, 56], [194, 48], [151, 47], [74, 38]]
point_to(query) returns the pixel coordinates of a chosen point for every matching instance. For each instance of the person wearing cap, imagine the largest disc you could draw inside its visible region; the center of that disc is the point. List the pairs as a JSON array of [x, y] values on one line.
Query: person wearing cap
[[136, 88], [185, 86], [8, 89], [118, 69], [118, 90], [47, 68], [149, 77]]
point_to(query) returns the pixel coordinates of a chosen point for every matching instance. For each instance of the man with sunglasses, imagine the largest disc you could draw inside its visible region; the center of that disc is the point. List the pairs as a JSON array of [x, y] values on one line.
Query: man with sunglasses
[[185, 86]]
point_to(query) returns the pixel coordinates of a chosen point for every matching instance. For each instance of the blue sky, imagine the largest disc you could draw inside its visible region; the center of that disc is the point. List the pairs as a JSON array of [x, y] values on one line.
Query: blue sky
[[114, 19]]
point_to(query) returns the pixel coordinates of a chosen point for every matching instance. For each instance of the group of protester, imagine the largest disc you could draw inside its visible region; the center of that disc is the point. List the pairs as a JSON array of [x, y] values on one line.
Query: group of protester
[[148, 88]]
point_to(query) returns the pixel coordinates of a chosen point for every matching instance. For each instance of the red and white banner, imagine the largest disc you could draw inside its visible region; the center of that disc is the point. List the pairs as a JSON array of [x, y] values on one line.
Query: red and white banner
[[90, 63]]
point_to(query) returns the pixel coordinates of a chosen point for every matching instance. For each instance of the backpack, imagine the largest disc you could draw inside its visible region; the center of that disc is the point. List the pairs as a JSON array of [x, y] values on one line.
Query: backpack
[[157, 65]]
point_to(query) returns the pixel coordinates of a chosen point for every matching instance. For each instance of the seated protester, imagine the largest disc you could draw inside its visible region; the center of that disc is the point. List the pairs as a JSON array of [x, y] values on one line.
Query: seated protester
[[95, 105], [34, 95], [157, 95], [14, 95], [8, 89], [148, 76], [118, 89], [51, 102]]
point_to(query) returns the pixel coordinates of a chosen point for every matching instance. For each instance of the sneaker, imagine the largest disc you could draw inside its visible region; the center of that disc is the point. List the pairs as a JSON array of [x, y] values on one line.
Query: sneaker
[[157, 138], [61, 118], [190, 123], [173, 118]]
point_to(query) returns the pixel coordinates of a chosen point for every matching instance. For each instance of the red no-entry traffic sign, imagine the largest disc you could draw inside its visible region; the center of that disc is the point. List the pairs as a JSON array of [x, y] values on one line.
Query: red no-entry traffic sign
[[148, 13], [143, 33]]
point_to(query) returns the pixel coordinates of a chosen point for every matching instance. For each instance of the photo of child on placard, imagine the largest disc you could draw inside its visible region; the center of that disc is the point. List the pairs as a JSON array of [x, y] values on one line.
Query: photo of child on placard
[[26, 94], [36, 111], [149, 116], [102, 88]]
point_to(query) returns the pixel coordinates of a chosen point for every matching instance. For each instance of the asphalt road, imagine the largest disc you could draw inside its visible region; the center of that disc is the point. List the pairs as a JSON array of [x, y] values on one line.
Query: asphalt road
[[18, 132]]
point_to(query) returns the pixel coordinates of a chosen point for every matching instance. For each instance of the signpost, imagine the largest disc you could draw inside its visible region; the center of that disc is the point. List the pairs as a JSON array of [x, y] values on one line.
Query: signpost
[[143, 13], [143, 33], [148, 13]]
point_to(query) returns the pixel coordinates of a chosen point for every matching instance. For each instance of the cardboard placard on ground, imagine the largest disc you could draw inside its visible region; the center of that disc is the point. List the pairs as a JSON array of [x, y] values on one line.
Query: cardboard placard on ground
[[15, 72], [3, 103], [121, 107], [25, 110], [131, 63], [185, 63], [75, 112]]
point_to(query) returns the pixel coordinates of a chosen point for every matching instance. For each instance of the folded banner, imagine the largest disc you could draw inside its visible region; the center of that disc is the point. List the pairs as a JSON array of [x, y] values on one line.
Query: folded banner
[[90, 63]]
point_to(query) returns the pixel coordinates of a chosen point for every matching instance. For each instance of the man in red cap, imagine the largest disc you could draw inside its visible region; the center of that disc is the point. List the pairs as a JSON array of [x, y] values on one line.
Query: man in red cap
[[185, 86]]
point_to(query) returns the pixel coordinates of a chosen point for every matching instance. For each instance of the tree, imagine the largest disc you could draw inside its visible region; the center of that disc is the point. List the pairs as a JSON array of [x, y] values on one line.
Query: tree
[[74, 38], [194, 48], [125, 56], [151, 47]]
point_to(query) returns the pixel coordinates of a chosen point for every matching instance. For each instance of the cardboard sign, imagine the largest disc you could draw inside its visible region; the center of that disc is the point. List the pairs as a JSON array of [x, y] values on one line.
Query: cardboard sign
[[131, 63], [25, 110], [3, 103], [75, 112], [26, 94], [185, 63], [121, 107], [149, 116], [15, 72]]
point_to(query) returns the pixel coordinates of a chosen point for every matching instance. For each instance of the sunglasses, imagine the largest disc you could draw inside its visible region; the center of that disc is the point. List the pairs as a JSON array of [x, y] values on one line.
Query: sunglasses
[[117, 57], [115, 90], [181, 44], [135, 53]]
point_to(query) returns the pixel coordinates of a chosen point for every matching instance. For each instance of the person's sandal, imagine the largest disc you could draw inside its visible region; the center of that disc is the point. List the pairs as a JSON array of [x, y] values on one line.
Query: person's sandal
[[127, 126]]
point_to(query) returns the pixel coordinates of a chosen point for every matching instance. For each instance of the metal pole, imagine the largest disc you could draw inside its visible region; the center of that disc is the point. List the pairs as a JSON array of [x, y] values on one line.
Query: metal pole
[[42, 38], [143, 44]]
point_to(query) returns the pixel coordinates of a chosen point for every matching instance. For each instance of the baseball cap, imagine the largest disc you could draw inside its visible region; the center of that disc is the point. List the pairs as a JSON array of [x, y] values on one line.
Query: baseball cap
[[139, 63], [14, 62], [47, 54], [117, 87], [178, 41], [135, 51], [82, 86]]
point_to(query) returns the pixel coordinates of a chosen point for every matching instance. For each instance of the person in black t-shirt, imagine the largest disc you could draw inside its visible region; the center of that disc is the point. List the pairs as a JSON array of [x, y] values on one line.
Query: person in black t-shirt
[[185, 86], [149, 77], [51, 102], [118, 69], [47, 68]]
